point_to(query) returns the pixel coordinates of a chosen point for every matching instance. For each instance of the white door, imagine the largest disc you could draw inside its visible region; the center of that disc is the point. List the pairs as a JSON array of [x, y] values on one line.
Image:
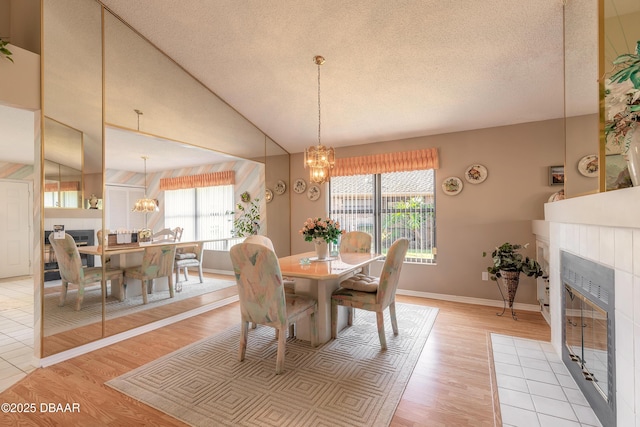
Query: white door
[[119, 201], [15, 227]]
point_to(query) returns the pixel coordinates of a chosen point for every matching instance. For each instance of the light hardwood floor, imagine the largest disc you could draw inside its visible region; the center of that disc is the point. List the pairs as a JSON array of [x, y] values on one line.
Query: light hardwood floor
[[450, 386]]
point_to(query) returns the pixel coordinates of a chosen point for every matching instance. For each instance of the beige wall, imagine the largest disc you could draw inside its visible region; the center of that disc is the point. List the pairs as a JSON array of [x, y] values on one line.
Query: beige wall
[[20, 23], [478, 219], [582, 140]]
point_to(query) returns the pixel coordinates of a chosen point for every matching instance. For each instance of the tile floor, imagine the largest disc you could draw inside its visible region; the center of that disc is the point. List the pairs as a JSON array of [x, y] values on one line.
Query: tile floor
[[535, 388], [16, 330]]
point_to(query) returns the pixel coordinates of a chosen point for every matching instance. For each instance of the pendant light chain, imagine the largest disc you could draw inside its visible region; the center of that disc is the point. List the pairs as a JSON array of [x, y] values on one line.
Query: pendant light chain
[[319, 62]]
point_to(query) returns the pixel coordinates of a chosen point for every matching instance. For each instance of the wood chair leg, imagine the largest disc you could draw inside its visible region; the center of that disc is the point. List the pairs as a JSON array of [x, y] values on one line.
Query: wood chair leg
[[171, 291], [244, 330], [292, 330], [394, 320], [120, 284], [380, 319], [200, 273], [281, 349], [350, 316], [185, 272], [143, 285], [63, 293], [79, 297], [334, 319]]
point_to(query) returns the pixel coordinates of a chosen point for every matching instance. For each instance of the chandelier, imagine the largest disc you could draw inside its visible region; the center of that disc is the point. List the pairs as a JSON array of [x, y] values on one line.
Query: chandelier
[[145, 204], [319, 159]]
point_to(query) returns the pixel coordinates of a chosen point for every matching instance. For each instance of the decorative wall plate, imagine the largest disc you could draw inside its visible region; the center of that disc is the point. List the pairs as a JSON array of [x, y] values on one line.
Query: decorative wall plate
[[588, 166], [281, 187], [313, 193], [452, 185], [268, 195], [475, 174], [299, 186]]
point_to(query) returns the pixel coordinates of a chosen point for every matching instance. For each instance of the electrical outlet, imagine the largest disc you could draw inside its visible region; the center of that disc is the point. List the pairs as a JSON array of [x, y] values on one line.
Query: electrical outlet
[[485, 275]]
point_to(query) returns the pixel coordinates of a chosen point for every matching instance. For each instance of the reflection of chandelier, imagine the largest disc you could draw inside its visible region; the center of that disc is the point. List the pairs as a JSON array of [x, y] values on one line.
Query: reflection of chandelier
[[145, 205], [319, 159]]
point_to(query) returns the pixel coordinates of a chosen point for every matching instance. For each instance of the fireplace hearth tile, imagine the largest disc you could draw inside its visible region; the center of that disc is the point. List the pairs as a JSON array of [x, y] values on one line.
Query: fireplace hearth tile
[[557, 400]]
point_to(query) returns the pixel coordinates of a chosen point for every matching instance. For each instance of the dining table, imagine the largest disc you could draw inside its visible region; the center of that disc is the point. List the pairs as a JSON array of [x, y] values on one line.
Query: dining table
[[130, 255], [318, 279]]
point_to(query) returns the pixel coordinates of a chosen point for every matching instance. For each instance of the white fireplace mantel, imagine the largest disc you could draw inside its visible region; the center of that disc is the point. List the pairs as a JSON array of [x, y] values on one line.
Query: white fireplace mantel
[[620, 208]]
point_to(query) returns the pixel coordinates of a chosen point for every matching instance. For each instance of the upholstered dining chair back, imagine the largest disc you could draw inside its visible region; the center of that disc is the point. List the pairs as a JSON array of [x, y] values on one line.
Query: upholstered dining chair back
[[288, 282], [71, 270], [390, 273], [68, 258], [355, 241], [157, 262], [262, 297], [260, 287], [260, 239], [370, 293]]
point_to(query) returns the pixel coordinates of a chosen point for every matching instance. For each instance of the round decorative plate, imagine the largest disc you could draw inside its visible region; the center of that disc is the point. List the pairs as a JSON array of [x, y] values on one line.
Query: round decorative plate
[[588, 166], [475, 174], [281, 187], [268, 195], [299, 186], [452, 185], [313, 193]]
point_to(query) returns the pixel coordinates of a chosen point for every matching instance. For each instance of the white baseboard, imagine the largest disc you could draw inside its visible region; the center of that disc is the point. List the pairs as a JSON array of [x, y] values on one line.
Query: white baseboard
[[467, 300], [95, 345]]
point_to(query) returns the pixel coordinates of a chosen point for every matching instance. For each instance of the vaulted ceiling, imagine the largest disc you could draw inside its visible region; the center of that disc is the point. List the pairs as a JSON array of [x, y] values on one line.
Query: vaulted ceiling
[[394, 69]]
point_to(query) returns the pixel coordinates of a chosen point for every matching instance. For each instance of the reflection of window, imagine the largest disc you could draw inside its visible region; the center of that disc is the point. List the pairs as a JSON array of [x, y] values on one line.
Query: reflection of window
[[201, 212], [389, 206], [63, 194]]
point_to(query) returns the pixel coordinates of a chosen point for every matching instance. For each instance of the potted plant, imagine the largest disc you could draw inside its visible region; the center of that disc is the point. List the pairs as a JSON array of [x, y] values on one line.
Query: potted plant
[[508, 263], [4, 51], [248, 222]]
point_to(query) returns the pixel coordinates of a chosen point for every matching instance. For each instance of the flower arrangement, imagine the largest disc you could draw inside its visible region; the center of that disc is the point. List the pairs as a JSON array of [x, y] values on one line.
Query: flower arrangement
[[318, 228], [622, 99]]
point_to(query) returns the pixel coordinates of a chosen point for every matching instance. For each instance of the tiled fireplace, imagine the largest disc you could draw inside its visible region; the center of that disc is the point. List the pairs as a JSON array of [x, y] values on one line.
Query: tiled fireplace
[[603, 228]]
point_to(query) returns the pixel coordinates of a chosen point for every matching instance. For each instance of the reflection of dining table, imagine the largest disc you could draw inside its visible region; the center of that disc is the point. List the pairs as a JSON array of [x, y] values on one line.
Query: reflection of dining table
[[129, 255], [319, 279]]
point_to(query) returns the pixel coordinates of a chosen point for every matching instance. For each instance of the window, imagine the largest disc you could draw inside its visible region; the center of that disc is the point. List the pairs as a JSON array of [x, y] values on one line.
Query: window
[[201, 212], [389, 206]]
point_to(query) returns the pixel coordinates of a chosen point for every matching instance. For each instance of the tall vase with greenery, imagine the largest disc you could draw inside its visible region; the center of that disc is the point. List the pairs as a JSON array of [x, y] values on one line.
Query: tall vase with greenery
[[622, 103], [508, 263]]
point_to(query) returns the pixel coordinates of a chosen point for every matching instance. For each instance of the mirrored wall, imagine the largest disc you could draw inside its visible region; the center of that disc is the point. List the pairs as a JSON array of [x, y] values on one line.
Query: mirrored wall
[[581, 98], [621, 34], [189, 129]]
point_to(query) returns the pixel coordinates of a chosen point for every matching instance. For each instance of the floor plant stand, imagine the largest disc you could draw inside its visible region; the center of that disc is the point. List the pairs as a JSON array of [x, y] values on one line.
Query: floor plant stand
[[510, 280]]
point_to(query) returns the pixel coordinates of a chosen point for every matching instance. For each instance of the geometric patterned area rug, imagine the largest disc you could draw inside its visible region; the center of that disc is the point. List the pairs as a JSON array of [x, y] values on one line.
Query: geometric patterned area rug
[[345, 382], [60, 319]]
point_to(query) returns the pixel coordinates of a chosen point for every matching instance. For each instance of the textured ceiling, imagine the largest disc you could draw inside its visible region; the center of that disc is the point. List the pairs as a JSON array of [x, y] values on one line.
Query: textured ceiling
[[394, 69]]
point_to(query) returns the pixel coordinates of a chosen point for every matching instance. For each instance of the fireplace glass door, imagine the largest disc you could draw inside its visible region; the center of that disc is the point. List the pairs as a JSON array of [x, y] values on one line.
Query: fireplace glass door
[[586, 338]]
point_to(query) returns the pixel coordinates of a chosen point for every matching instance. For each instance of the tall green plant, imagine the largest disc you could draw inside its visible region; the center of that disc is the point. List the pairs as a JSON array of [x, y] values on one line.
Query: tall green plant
[[248, 222]]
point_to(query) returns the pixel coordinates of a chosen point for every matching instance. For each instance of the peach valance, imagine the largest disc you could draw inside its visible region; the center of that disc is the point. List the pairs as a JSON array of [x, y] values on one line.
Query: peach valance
[[194, 181], [51, 187], [404, 161]]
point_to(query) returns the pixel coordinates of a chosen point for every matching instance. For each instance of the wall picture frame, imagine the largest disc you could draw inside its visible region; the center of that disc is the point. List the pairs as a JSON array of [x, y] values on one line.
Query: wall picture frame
[[556, 175]]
